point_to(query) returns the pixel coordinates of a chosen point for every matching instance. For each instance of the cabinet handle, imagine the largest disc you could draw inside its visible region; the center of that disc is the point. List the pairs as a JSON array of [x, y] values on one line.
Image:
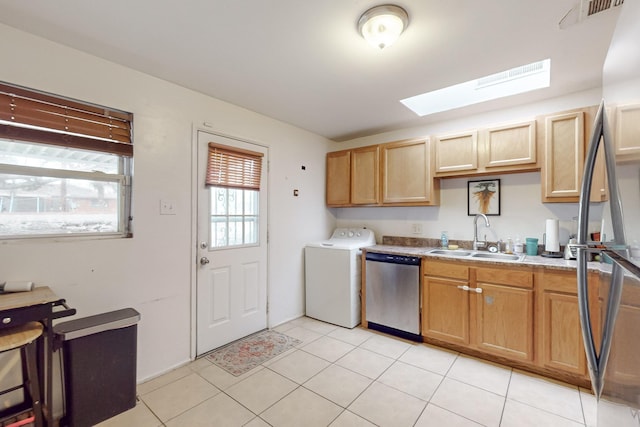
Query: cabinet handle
[[466, 288]]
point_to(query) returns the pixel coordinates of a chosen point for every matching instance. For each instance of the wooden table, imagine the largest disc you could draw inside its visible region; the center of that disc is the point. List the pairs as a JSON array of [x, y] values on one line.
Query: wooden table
[[38, 305]]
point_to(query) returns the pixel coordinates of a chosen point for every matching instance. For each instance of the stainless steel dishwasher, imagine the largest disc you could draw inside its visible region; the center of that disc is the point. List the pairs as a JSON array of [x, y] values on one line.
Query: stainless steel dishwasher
[[393, 294]]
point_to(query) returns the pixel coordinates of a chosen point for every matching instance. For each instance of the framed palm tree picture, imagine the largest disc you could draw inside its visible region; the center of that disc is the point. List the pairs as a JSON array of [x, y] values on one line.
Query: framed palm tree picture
[[483, 197]]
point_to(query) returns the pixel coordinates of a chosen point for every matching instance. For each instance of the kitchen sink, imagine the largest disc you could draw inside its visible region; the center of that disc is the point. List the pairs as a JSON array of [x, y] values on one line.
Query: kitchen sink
[[497, 256], [447, 252]]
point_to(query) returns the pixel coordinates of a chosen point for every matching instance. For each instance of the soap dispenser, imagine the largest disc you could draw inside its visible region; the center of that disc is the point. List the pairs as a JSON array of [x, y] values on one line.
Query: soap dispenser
[[508, 249], [518, 247]]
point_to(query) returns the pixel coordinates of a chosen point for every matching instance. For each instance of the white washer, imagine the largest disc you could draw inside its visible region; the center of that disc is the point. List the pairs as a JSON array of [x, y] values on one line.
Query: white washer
[[332, 276]]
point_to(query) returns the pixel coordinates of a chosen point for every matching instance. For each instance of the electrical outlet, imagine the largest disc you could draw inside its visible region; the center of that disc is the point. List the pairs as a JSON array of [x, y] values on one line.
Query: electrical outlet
[[416, 228]]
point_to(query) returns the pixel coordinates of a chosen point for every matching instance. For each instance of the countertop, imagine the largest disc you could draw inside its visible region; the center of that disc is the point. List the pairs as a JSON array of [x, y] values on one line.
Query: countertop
[[526, 260]]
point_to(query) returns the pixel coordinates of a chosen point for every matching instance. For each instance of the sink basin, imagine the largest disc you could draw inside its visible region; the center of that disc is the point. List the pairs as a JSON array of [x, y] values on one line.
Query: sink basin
[[501, 257], [446, 252]]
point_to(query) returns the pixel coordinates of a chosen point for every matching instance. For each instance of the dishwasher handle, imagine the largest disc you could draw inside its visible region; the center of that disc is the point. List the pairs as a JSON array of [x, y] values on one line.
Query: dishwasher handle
[[393, 259]]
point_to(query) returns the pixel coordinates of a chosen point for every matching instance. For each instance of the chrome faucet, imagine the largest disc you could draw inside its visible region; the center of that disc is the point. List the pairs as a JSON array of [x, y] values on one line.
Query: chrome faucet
[[476, 244]]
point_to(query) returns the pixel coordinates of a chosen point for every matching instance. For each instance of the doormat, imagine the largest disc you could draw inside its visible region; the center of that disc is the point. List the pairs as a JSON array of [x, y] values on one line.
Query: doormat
[[243, 355]]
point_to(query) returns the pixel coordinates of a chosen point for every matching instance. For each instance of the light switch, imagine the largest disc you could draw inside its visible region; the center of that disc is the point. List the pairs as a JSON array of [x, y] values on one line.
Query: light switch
[[167, 207]]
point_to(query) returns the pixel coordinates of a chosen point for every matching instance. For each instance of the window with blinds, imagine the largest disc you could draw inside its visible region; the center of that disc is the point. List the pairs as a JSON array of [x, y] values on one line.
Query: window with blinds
[[233, 178], [65, 166]]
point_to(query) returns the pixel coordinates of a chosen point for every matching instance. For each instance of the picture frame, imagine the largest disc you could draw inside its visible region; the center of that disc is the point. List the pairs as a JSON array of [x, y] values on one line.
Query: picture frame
[[483, 197]]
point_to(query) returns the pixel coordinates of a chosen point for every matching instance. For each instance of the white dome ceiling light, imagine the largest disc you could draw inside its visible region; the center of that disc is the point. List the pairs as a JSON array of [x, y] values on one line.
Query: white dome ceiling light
[[382, 25]]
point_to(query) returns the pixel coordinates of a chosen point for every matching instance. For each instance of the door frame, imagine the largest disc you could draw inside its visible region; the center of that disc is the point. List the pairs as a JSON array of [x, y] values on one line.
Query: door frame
[[193, 253]]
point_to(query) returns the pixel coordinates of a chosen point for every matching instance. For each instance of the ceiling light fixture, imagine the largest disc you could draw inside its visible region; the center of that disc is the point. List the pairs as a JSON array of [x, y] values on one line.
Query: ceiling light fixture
[[382, 25]]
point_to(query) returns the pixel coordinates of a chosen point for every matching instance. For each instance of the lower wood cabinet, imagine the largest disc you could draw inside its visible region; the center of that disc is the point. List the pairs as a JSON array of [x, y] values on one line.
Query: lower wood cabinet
[[504, 311], [445, 306], [489, 309], [524, 316], [560, 334]]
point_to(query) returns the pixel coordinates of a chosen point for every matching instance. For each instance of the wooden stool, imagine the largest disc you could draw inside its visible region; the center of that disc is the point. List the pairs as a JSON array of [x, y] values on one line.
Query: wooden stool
[[24, 338]]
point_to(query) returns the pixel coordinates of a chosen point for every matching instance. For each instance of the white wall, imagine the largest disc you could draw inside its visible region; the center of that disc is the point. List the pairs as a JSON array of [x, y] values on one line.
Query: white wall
[[152, 271], [522, 212]]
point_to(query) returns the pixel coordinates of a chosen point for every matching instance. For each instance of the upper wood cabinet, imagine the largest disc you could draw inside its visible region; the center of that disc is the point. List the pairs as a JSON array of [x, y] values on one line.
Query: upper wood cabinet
[[402, 169], [627, 131], [365, 187], [500, 149], [353, 177], [456, 153], [406, 173], [338, 182], [564, 157], [511, 146], [565, 148]]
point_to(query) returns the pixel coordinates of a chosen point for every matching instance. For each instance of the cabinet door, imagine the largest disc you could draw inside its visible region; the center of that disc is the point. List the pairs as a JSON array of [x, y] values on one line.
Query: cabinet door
[[564, 157], [445, 310], [364, 176], [406, 173], [456, 153], [627, 131], [505, 321], [562, 346], [338, 184], [510, 147]]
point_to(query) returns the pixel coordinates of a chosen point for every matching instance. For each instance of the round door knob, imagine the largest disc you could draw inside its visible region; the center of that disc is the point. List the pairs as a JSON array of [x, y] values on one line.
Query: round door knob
[[204, 260]]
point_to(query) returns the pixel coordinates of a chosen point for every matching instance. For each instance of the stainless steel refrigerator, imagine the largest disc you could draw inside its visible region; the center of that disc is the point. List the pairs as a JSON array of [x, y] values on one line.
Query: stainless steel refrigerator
[[613, 346]]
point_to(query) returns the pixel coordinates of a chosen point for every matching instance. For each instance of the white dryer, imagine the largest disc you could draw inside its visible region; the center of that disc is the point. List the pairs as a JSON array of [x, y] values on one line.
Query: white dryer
[[332, 276]]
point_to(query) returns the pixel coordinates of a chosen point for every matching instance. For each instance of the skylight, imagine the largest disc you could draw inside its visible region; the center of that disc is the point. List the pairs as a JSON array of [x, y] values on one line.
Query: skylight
[[506, 83]]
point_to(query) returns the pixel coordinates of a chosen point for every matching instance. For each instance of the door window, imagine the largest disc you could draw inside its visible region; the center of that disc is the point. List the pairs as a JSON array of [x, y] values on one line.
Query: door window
[[234, 217]]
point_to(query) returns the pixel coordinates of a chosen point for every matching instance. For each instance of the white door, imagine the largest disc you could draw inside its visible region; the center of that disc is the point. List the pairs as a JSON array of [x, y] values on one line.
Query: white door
[[231, 300]]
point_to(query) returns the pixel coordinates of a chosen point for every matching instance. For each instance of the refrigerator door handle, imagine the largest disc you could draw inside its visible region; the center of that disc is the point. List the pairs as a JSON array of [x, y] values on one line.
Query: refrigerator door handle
[[597, 362]]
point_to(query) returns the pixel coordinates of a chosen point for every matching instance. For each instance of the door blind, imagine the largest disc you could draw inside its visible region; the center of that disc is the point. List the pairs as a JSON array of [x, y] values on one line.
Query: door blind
[[231, 167]]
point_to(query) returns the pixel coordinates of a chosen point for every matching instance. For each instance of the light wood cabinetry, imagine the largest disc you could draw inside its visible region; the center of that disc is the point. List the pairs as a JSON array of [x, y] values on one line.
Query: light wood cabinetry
[[560, 337], [456, 153], [500, 149], [627, 131], [509, 147], [523, 316], [353, 177], [401, 171], [365, 187], [488, 309], [445, 306], [406, 173], [564, 157], [566, 141], [504, 312], [338, 184]]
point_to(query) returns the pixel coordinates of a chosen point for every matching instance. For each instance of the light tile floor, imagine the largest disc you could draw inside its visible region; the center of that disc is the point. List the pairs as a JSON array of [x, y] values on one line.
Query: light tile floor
[[341, 377]]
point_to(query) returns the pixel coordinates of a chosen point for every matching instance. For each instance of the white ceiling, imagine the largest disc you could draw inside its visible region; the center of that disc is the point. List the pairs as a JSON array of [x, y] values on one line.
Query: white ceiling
[[302, 61]]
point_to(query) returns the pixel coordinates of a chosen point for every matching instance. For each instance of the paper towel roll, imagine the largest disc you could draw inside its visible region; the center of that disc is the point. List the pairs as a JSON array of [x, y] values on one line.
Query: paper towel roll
[[552, 242], [18, 286]]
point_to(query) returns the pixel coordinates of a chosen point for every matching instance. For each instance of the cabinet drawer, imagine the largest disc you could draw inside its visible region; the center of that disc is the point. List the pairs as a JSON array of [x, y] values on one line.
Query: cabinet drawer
[[445, 269], [560, 282], [522, 279]]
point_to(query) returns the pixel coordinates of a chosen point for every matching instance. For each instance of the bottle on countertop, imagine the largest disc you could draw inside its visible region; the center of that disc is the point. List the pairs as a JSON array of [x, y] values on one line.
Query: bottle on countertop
[[508, 249], [444, 240], [518, 247]]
